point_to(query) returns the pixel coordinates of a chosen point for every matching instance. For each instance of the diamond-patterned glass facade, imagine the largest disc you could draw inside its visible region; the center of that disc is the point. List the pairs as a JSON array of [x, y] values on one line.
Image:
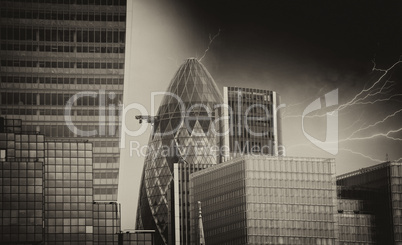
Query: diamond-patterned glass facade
[[185, 131]]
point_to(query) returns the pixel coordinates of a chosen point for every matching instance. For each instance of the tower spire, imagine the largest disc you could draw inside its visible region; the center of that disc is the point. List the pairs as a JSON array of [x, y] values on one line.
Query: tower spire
[[200, 226]]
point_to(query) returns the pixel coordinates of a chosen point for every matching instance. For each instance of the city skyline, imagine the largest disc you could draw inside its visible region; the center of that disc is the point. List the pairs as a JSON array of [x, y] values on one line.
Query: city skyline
[[343, 56], [300, 50]]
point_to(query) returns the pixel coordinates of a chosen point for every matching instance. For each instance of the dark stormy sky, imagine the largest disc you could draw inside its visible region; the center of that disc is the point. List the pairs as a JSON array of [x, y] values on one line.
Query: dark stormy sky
[[300, 49]]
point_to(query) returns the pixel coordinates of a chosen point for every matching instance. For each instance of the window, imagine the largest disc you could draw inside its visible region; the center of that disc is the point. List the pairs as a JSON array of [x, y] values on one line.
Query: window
[[2, 155]]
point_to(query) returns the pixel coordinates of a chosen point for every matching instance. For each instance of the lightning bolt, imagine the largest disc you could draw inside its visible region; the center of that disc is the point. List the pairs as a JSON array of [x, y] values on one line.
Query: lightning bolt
[[361, 154], [378, 100], [373, 125], [356, 97], [284, 115], [355, 122], [359, 98], [386, 135], [211, 39], [372, 93]]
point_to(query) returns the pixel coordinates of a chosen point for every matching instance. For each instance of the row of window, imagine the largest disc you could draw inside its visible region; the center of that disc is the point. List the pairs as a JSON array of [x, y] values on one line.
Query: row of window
[[105, 191], [101, 165], [70, 169], [15, 189], [31, 213], [64, 131], [291, 224], [21, 181], [79, 2], [62, 80], [69, 214], [23, 199], [62, 48], [9, 235], [61, 64], [68, 191], [109, 175], [63, 15], [69, 198], [62, 35], [53, 112], [70, 161], [260, 239], [106, 196], [68, 183], [17, 98], [72, 176], [22, 165]]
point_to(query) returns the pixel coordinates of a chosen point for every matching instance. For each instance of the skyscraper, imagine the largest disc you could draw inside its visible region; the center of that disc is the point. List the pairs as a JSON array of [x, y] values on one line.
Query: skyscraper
[[252, 120], [184, 132], [53, 52]]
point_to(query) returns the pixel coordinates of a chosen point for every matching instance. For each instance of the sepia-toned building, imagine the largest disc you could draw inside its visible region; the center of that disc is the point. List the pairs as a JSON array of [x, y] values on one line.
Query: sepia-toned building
[[68, 189], [252, 121], [378, 189], [47, 192], [356, 222], [266, 200], [22, 157], [62, 67], [184, 132]]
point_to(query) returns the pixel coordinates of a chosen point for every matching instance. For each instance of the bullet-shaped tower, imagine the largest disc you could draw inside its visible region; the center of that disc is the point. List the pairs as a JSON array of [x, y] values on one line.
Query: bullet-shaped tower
[[184, 139]]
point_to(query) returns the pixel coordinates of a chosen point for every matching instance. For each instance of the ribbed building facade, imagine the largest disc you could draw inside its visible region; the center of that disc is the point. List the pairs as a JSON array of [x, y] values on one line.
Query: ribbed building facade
[[266, 200], [378, 218], [184, 132], [252, 121], [53, 52], [356, 222]]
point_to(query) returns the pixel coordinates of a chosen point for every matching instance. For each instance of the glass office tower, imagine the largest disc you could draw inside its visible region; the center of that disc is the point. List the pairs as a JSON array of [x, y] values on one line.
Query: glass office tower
[[106, 223], [68, 193], [266, 200], [356, 222], [184, 131], [252, 118], [21, 184], [380, 188], [47, 192], [53, 50]]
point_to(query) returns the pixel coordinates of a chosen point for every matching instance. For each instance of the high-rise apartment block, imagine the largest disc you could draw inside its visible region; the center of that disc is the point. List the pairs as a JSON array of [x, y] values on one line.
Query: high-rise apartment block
[[266, 200], [252, 121], [62, 55]]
